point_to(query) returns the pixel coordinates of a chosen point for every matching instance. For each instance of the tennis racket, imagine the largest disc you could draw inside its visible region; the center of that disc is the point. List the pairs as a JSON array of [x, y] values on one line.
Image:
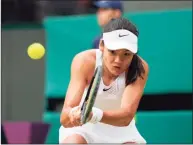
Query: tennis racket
[[89, 100]]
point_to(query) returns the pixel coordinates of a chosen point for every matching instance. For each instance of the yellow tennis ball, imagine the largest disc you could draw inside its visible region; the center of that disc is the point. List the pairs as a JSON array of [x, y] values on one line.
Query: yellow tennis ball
[[36, 51]]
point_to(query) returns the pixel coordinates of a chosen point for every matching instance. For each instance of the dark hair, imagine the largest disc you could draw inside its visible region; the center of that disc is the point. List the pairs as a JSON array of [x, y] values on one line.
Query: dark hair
[[136, 68]]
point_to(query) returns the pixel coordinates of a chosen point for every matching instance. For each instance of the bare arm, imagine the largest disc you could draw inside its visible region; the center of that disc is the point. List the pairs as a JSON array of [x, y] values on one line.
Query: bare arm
[[129, 104], [78, 82]]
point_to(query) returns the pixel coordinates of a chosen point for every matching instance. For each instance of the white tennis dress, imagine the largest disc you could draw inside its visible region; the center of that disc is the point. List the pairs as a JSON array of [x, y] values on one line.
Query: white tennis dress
[[108, 98]]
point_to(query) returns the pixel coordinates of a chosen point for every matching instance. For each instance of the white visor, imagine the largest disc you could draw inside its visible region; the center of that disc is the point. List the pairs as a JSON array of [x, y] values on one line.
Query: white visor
[[121, 39]]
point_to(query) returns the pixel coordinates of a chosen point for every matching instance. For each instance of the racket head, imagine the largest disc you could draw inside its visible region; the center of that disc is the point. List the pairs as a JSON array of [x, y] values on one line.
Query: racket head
[[91, 95]]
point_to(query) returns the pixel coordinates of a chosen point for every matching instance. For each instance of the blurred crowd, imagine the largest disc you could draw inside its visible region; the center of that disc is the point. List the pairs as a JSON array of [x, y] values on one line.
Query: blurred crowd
[[16, 11]]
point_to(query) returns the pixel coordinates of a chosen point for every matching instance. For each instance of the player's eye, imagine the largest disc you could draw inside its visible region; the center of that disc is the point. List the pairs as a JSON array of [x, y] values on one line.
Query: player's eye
[[127, 54], [112, 52]]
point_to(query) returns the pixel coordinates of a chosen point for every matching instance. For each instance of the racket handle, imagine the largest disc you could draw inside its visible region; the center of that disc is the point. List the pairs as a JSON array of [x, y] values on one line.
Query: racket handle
[[82, 112]]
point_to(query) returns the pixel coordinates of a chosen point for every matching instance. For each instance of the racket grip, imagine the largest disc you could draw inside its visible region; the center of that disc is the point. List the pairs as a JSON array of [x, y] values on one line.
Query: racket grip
[[82, 112]]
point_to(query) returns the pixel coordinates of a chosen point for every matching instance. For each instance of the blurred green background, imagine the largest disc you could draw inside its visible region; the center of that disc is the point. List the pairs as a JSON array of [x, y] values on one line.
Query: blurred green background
[[165, 42]]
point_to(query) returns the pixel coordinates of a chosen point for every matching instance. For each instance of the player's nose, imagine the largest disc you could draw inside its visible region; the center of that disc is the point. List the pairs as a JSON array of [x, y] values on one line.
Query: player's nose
[[118, 60]]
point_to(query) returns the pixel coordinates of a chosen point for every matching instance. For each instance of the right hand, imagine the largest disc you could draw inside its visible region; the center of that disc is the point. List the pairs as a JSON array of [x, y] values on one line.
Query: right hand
[[74, 116]]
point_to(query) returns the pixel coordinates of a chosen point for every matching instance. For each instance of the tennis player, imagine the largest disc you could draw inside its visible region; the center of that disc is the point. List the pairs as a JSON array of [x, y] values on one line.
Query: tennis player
[[121, 88]]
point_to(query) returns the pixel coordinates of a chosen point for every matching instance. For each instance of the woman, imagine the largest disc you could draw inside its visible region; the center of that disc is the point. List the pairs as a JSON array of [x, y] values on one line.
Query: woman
[[121, 88]]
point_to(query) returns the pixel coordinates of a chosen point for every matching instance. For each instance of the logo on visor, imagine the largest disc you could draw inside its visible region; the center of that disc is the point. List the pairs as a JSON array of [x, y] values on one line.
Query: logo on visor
[[123, 35]]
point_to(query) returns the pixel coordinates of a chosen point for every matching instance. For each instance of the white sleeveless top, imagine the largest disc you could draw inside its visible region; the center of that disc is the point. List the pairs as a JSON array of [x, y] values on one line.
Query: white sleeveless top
[[111, 100], [111, 94]]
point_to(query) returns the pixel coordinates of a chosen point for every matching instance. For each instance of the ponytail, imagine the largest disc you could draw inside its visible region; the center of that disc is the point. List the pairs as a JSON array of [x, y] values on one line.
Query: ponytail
[[135, 70]]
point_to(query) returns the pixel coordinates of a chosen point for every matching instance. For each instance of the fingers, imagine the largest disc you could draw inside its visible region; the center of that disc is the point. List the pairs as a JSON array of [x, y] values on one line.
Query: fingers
[[75, 122], [75, 119], [75, 116]]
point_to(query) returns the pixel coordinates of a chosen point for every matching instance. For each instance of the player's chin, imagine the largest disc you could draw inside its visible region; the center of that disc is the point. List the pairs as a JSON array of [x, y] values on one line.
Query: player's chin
[[116, 71]]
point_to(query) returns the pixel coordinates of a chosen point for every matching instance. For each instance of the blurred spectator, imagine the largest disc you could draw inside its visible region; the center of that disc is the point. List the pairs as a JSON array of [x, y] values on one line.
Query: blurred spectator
[[106, 11]]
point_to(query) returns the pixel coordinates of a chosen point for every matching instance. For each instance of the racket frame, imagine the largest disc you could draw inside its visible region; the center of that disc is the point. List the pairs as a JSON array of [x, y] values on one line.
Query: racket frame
[[90, 98]]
